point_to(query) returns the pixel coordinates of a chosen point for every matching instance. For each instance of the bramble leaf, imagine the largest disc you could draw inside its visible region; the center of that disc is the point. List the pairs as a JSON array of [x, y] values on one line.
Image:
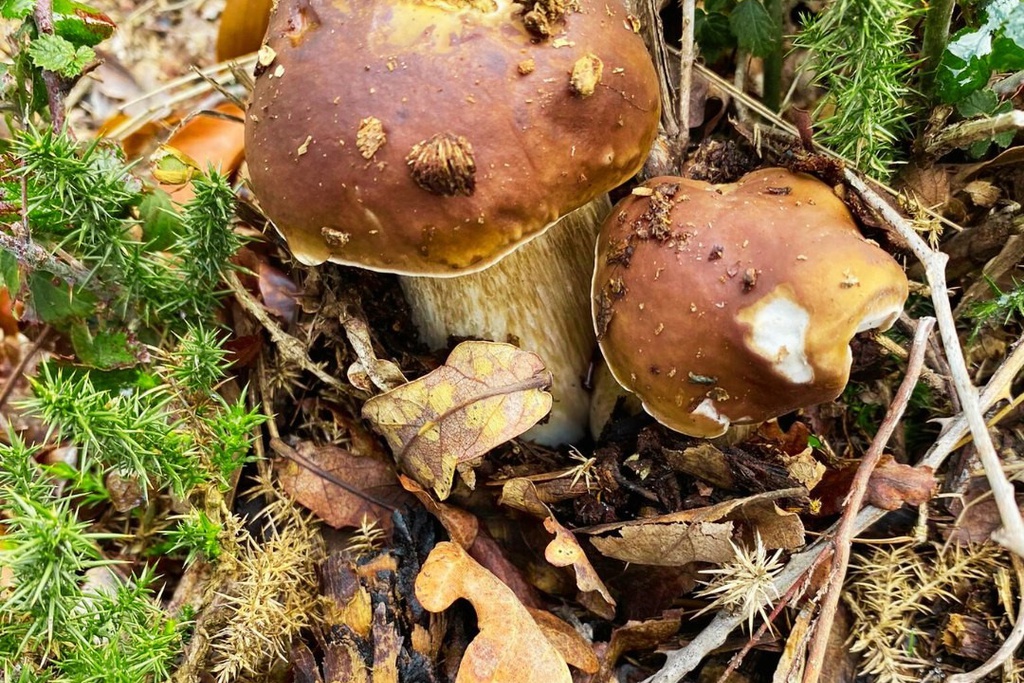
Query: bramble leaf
[[712, 32], [752, 25], [57, 54]]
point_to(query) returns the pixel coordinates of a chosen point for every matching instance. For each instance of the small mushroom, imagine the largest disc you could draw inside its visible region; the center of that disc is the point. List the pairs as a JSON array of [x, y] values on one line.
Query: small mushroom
[[432, 138], [722, 304]]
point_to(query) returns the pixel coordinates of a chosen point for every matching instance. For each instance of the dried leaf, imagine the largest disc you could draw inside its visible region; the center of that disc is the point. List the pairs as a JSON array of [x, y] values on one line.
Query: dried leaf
[[805, 468], [484, 395], [635, 635], [791, 666], [242, 25], [278, 292], [669, 545], [332, 503], [892, 484], [570, 644], [462, 526], [342, 661], [510, 647], [564, 551]]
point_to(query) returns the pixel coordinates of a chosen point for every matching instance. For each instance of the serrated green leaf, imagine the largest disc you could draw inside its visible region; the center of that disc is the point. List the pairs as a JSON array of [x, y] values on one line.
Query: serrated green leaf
[[10, 276], [712, 32], [56, 304], [57, 54], [81, 24], [978, 103], [101, 349], [15, 9], [752, 25]]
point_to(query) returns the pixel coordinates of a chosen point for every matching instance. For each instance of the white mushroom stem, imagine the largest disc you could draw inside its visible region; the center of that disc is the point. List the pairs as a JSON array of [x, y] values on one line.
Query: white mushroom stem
[[538, 297]]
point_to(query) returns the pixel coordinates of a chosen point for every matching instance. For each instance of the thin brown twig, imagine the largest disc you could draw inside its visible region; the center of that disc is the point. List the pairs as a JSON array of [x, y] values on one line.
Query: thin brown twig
[[19, 369], [686, 59], [1011, 535], [843, 539], [43, 15]]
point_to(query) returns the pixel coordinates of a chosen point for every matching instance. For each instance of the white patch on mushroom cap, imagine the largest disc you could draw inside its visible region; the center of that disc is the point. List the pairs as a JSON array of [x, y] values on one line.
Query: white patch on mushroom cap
[[778, 329], [707, 409], [881, 319]]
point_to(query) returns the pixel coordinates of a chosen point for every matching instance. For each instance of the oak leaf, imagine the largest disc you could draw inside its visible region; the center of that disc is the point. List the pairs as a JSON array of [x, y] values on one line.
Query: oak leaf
[[892, 484], [510, 647], [485, 394]]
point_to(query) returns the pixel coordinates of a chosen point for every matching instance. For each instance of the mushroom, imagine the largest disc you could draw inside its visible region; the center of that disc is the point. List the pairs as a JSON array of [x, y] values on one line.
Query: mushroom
[[432, 138], [722, 304]]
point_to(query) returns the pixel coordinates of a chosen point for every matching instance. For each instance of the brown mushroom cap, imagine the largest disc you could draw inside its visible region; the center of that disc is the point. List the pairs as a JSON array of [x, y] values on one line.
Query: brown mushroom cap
[[736, 303], [434, 136]]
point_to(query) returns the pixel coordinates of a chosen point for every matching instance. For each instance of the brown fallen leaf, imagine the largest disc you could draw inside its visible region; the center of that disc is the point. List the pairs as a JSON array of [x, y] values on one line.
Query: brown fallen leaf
[[216, 139], [669, 545], [462, 526], [510, 647], [564, 551], [485, 394], [635, 635], [892, 484], [332, 503], [570, 644], [242, 25]]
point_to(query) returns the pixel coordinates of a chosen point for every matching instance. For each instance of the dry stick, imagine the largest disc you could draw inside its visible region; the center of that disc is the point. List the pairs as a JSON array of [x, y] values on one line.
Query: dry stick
[[1011, 535], [685, 660], [968, 132], [19, 369], [686, 58], [290, 348], [43, 15], [843, 539]]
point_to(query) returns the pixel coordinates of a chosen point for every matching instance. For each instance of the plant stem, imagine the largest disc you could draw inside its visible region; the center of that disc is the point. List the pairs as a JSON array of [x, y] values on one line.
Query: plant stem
[[772, 65], [686, 55], [936, 36]]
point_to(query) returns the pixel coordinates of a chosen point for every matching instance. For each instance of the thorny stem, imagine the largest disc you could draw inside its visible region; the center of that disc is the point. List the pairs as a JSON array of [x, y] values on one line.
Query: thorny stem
[[1011, 535], [936, 35], [685, 660], [43, 15], [843, 538]]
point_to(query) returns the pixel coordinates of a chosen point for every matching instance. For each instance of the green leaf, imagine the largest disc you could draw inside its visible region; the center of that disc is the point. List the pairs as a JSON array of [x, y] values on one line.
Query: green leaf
[[752, 25], [161, 224], [10, 276], [55, 303], [57, 54], [712, 32], [15, 9], [101, 349], [978, 103], [81, 24]]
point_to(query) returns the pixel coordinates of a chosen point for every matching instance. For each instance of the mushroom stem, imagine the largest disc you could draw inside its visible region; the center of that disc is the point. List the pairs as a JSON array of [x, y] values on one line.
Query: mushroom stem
[[537, 298]]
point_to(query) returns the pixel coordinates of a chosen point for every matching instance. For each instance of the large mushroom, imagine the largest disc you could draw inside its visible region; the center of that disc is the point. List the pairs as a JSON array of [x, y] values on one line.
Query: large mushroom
[[434, 137], [723, 304]]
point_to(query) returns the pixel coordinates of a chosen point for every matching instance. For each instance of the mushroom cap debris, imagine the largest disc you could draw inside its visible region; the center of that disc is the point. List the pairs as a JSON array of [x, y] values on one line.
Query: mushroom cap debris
[[720, 304], [431, 137]]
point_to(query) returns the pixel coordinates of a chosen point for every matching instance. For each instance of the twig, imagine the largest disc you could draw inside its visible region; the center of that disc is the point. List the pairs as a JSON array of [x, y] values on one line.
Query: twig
[[858, 490], [19, 369], [43, 16], [290, 348], [1011, 535], [1005, 651], [685, 660], [34, 257], [686, 57], [936, 36], [968, 132]]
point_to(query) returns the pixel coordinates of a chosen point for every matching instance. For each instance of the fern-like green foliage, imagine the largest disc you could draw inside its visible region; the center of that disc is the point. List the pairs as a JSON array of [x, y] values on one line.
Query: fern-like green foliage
[[1000, 309], [861, 53]]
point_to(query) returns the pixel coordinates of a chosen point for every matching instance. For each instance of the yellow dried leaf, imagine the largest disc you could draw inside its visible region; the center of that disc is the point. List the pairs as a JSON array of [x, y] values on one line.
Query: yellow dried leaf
[[565, 550], [485, 394], [510, 647]]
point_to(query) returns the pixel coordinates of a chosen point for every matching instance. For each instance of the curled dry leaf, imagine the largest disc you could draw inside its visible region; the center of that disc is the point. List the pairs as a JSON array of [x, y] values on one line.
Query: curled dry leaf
[[570, 644], [462, 526], [335, 505], [564, 551], [485, 394], [210, 139], [510, 647], [635, 635], [892, 484]]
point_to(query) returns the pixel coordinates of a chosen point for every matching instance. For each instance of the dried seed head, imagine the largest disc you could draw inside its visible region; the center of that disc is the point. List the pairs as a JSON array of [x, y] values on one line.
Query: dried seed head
[[443, 165]]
